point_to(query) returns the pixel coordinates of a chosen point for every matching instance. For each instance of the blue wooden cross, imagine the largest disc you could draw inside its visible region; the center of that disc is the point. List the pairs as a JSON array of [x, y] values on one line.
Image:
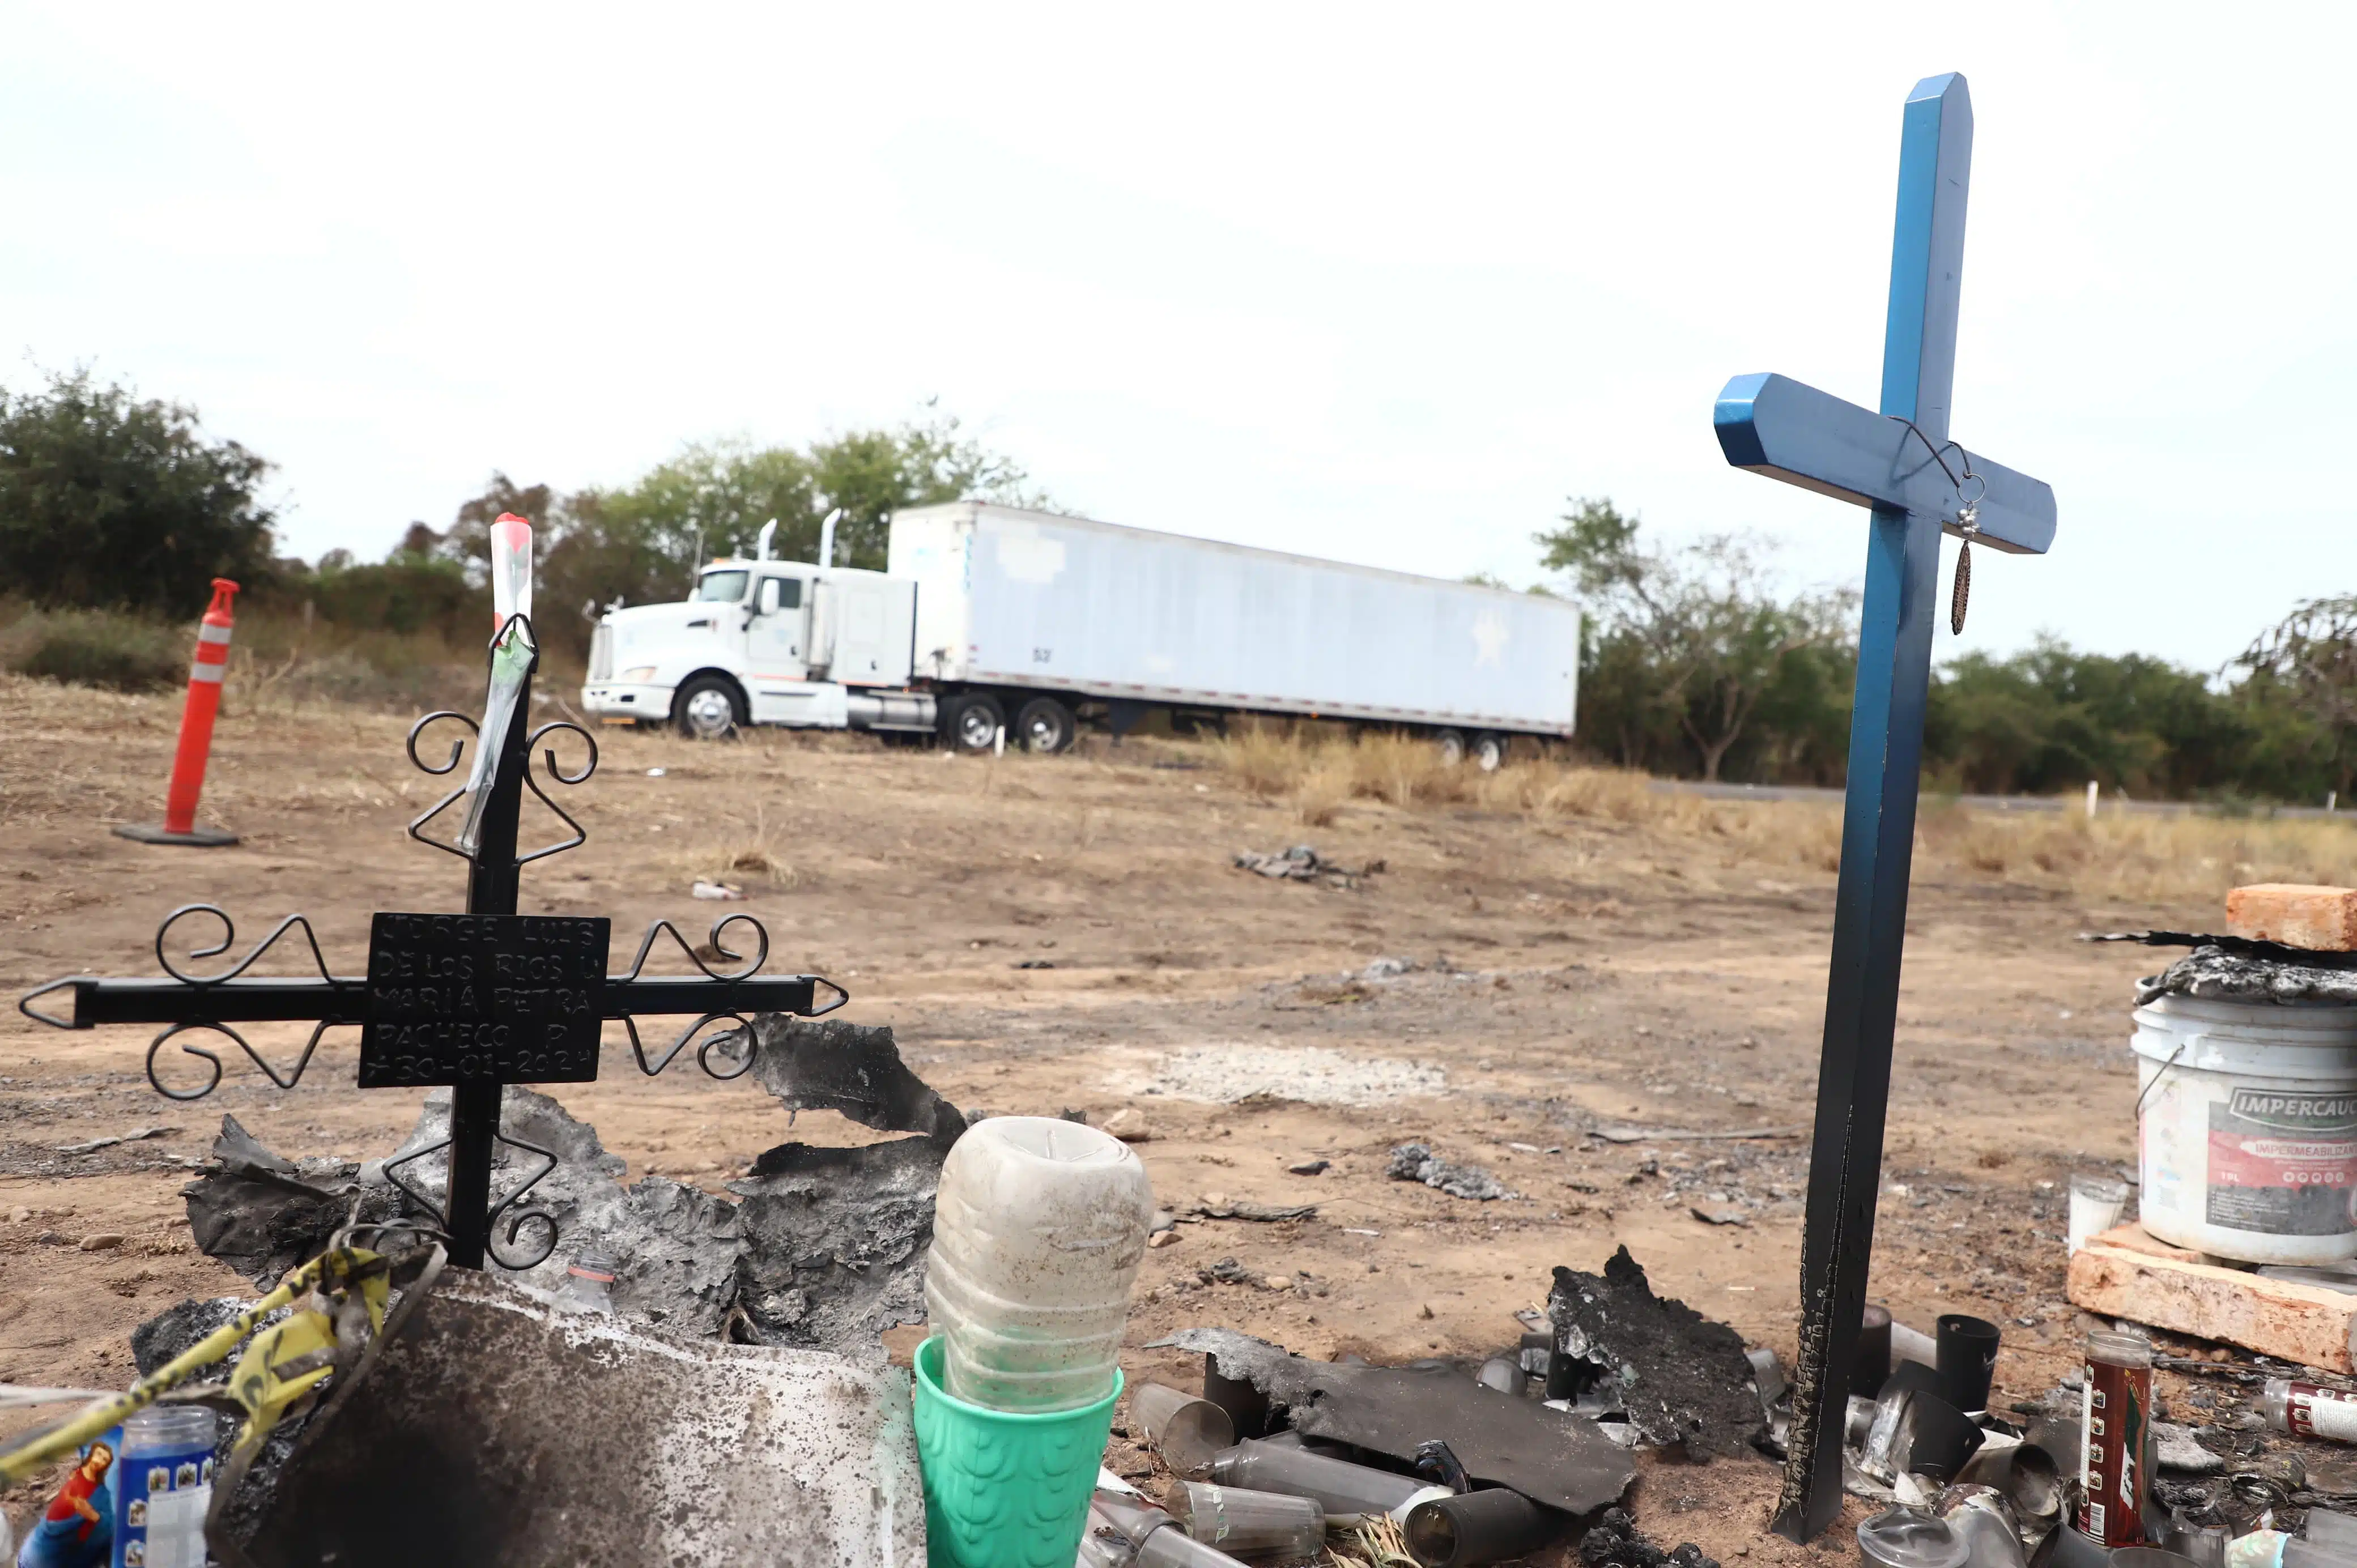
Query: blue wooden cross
[[1900, 464]]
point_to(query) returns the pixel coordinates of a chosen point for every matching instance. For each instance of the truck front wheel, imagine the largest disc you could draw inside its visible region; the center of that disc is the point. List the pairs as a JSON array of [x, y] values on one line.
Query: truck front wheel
[[706, 709], [1046, 726], [971, 721]]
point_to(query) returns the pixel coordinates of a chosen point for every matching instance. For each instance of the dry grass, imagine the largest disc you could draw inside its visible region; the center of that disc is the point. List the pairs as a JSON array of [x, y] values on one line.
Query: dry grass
[[742, 851], [1377, 1541], [2138, 858], [2116, 858]]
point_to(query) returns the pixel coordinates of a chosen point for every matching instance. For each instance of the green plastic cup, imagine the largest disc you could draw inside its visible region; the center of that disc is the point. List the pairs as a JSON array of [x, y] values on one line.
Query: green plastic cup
[[1004, 1490]]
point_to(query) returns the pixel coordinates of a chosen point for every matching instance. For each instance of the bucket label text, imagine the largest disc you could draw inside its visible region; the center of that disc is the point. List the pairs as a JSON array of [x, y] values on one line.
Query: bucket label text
[[2283, 1163]]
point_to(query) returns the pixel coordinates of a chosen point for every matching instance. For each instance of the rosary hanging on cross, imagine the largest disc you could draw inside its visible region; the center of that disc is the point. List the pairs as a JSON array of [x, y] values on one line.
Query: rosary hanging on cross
[[1969, 523]]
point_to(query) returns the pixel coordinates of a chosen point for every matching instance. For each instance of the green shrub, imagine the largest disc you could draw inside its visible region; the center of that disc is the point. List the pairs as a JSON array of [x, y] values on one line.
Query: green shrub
[[97, 647]]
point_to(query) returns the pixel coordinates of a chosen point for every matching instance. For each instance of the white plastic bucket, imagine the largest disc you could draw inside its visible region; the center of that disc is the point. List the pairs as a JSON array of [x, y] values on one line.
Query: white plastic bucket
[[1038, 1233], [2247, 1127]]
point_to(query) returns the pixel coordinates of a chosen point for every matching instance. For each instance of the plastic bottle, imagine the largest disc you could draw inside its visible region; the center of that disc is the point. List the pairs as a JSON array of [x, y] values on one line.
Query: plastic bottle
[[164, 1486], [1253, 1524], [2308, 1411], [1339, 1485], [588, 1283], [1038, 1229]]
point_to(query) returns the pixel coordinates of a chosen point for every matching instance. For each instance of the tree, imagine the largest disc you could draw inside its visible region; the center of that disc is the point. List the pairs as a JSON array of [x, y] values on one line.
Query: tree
[[1691, 635], [108, 501], [645, 541], [713, 498], [2311, 656]]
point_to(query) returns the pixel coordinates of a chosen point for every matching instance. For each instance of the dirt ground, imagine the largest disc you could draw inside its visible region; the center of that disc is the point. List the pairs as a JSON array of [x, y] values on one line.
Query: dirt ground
[[1065, 933]]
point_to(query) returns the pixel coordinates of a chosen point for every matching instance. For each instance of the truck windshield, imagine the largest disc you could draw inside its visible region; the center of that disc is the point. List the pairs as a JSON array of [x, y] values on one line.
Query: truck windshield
[[720, 588]]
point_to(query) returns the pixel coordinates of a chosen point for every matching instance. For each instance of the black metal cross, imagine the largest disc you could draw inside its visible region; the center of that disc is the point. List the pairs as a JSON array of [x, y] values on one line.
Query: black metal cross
[[474, 1000]]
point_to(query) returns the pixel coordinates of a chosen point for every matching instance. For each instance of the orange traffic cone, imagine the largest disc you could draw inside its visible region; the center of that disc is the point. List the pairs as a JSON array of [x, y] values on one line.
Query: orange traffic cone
[[196, 733]]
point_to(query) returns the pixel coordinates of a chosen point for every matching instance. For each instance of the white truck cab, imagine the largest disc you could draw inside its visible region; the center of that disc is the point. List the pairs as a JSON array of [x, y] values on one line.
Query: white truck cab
[[763, 643], [996, 626]]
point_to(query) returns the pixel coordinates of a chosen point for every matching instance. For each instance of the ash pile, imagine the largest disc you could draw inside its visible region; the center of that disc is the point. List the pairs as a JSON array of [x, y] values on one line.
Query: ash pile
[[682, 1379]]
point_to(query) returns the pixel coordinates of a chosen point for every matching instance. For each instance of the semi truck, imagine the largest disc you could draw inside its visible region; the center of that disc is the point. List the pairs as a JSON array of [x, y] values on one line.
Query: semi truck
[[994, 623]]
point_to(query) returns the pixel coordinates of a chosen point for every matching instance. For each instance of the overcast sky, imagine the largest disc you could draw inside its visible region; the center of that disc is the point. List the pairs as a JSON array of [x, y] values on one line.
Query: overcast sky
[[1383, 284]]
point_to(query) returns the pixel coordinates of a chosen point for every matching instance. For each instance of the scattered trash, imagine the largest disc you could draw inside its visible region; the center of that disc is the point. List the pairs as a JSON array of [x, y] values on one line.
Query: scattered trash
[[1125, 1530], [1965, 1348], [2119, 1373], [1678, 1376], [1488, 1525], [97, 1143], [1552, 1456], [655, 772], [1309, 1167], [1909, 1538], [1185, 1429], [2308, 1410], [1253, 1524], [1219, 1206], [1414, 1161], [1917, 1433], [715, 890], [1303, 864], [1613, 1542], [1871, 1367], [1388, 969], [1337, 1485], [2095, 1205], [2028, 1476]]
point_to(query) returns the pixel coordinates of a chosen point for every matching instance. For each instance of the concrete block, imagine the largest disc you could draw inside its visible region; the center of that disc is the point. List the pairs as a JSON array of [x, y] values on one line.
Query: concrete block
[[499, 1434], [2306, 1324], [2323, 919]]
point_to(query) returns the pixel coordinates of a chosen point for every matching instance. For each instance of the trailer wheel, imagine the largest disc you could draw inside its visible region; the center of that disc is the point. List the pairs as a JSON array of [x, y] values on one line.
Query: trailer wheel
[[1489, 753], [1046, 726], [1451, 745], [707, 708], [970, 722]]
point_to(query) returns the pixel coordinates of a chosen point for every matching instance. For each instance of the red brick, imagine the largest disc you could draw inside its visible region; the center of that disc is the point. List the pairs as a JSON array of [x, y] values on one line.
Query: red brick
[[2323, 919]]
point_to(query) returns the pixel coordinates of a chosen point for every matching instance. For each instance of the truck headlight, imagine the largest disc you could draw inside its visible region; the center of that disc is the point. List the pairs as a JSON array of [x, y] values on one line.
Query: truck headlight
[[639, 674]]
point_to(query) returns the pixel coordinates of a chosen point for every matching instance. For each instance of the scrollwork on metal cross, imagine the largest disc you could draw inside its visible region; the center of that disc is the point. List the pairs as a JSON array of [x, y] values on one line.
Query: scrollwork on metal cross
[[470, 1019]]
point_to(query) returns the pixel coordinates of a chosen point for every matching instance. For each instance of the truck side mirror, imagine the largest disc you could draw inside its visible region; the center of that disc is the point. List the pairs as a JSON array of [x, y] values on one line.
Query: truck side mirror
[[769, 601]]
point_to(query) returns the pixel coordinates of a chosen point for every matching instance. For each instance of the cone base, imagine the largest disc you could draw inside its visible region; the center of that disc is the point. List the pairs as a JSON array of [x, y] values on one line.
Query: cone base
[[195, 838]]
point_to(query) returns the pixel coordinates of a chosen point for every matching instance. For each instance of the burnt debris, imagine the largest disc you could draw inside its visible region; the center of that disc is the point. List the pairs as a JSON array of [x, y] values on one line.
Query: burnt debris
[[1679, 1377], [819, 1247]]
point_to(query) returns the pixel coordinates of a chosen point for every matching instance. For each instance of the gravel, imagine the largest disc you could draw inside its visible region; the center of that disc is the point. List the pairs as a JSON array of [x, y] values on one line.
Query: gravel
[[1312, 1075]]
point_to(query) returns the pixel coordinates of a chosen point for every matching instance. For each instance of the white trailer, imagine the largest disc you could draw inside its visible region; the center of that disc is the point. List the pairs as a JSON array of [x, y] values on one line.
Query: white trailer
[[990, 616]]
